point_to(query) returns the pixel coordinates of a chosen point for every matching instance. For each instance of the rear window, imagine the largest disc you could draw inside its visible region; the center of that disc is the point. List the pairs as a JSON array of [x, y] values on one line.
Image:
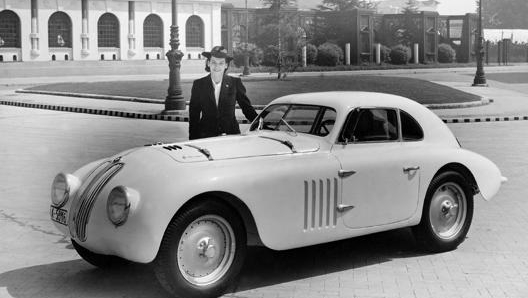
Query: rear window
[[411, 130]]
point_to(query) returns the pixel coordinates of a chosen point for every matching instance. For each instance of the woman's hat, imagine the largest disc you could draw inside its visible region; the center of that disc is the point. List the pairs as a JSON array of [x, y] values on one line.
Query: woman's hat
[[218, 52]]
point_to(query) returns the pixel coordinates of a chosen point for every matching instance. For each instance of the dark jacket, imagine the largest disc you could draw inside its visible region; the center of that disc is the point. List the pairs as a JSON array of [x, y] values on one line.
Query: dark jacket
[[205, 119]]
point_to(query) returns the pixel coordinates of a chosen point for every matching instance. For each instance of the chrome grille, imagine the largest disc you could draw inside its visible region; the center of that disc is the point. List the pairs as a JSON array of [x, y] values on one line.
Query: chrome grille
[[320, 203], [87, 195]]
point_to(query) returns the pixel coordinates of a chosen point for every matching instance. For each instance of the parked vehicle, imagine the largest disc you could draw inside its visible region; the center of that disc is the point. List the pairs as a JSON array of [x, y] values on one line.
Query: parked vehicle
[[312, 168]]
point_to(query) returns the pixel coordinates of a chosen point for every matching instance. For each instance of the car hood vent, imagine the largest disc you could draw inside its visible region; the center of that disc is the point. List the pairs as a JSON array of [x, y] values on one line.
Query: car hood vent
[[241, 146], [172, 147]]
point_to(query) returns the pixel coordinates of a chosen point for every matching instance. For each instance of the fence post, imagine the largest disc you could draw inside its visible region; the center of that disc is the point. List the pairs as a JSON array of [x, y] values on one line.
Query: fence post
[[416, 54], [378, 53], [304, 58], [499, 50], [487, 51], [506, 51], [347, 54]]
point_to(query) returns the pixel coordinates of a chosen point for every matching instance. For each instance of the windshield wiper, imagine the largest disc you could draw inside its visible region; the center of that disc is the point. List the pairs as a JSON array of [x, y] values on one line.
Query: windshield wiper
[[287, 143], [288, 125], [204, 151]]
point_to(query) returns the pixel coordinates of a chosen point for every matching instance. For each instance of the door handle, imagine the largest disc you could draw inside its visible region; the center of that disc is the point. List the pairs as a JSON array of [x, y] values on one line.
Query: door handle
[[408, 169], [343, 208], [345, 173]]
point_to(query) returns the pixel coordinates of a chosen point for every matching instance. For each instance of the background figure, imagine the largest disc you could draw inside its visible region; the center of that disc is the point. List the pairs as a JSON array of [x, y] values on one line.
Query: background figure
[[213, 99]]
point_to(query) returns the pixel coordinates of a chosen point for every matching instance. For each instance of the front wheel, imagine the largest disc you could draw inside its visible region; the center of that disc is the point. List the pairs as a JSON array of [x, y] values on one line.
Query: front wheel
[[447, 213], [202, 251]]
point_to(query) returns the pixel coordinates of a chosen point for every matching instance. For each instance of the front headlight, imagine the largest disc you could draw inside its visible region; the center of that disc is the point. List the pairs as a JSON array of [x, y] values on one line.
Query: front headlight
[[118, 205], [62, 187]]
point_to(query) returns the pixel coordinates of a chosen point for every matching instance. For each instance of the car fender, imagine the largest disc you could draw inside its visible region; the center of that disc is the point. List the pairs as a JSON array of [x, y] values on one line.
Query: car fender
[[486, 174]]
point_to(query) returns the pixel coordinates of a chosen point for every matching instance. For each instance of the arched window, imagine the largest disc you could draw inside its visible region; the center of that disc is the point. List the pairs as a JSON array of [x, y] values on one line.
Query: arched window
[[153, 32], [194, 32], [108, 31], [59, 30], [9, 29]]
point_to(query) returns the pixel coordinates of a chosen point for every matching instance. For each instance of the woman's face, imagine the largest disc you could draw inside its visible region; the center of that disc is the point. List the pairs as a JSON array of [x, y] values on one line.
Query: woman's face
[[217, 65]]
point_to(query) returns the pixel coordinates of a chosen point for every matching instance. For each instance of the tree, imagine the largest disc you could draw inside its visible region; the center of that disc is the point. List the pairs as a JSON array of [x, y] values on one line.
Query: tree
[[345, 5], [333, 23], [275, 23], [505, 14], [278, 4], [411, 7]]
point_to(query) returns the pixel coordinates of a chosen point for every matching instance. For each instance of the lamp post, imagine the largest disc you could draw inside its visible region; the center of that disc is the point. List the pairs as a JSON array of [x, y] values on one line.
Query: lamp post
[[480, 78], [174, 102], [246, 54]]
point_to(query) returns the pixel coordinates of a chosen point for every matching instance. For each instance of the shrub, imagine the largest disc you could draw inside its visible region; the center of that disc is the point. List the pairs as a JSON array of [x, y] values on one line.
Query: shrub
[[311, 53], [384, 53], [270, 56], [329, 54], [400, 54], [255, 55], [446, 54]]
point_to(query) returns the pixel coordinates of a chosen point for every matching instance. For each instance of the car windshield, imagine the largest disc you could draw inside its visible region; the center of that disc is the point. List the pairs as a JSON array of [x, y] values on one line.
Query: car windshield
[[310, 119]]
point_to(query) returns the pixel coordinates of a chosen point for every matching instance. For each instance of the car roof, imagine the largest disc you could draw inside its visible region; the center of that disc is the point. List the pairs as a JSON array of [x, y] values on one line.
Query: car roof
[[344, 100]]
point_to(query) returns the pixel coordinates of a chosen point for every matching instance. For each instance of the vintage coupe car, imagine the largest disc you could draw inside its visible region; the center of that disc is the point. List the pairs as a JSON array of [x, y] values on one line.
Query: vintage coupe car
[[312, 168]]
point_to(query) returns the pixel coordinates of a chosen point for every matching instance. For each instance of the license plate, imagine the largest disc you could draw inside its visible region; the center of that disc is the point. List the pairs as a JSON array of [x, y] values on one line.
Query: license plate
[[59, 215]]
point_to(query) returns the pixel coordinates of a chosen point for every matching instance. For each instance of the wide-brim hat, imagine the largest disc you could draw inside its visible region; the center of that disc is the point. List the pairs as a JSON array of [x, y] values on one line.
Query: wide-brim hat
[[218, 52]]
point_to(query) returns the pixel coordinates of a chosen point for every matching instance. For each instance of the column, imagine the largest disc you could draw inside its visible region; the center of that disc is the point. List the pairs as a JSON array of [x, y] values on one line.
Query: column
[[34, 36], [131, 28], [85, 51]]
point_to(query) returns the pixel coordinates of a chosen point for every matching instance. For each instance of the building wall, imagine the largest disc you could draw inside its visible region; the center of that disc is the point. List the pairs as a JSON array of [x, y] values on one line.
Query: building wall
[[130, 41]]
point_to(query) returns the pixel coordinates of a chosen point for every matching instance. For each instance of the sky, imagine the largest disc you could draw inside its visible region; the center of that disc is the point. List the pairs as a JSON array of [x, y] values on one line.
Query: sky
[[456, 7], [446, 7]]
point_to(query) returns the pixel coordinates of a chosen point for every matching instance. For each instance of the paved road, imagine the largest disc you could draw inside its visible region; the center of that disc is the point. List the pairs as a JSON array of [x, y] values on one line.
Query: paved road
[[36, 261]]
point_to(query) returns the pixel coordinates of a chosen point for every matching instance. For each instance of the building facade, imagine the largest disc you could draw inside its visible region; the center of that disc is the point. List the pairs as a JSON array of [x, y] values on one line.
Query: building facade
[[53, 30]]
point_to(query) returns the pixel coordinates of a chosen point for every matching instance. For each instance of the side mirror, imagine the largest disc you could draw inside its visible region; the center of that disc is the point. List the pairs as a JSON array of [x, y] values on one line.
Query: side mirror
[[260, 123]]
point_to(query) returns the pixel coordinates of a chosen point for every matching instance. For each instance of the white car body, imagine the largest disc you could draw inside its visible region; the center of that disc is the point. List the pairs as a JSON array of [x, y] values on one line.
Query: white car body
[[289, 198]]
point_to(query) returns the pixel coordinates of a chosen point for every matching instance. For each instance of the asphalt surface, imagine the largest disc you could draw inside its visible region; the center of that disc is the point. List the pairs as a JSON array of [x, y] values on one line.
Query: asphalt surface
[[37, 261]]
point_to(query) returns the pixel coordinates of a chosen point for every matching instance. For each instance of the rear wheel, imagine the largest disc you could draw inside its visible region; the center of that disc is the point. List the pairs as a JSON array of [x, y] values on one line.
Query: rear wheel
[[202, 251], [447, 213]]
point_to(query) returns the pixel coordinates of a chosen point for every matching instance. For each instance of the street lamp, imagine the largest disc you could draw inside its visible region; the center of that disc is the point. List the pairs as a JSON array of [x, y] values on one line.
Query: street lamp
[[480, 78], [174, 102], [246, 54]]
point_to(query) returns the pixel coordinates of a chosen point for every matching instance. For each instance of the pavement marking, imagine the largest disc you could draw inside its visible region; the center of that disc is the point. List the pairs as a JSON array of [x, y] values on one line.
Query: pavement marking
[[146, 116]]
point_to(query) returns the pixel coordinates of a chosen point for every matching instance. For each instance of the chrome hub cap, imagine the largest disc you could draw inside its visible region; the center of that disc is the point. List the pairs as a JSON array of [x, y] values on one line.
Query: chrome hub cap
[[448, 210], [206, 250]]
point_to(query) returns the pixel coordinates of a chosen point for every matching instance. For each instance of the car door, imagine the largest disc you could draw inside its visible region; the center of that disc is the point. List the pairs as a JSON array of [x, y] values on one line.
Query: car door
[[379, 175]]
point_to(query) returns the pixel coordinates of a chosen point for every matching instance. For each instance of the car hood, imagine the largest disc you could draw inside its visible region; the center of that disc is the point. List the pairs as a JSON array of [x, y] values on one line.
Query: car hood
[[240, 146]]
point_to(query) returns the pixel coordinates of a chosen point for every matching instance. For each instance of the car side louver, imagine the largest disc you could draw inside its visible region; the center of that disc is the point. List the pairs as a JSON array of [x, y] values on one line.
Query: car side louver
[[87, 196], [320, 203]]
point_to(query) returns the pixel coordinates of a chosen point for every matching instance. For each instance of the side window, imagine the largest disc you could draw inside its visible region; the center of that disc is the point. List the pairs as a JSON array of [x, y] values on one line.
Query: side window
[[327, 122], [411, 130], [372, 125]]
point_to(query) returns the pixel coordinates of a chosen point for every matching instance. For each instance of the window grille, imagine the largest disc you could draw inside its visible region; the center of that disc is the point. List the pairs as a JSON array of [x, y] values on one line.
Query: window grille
[[194, 31], [108, 31], [59, 30], [9, 29], [153, 32]]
